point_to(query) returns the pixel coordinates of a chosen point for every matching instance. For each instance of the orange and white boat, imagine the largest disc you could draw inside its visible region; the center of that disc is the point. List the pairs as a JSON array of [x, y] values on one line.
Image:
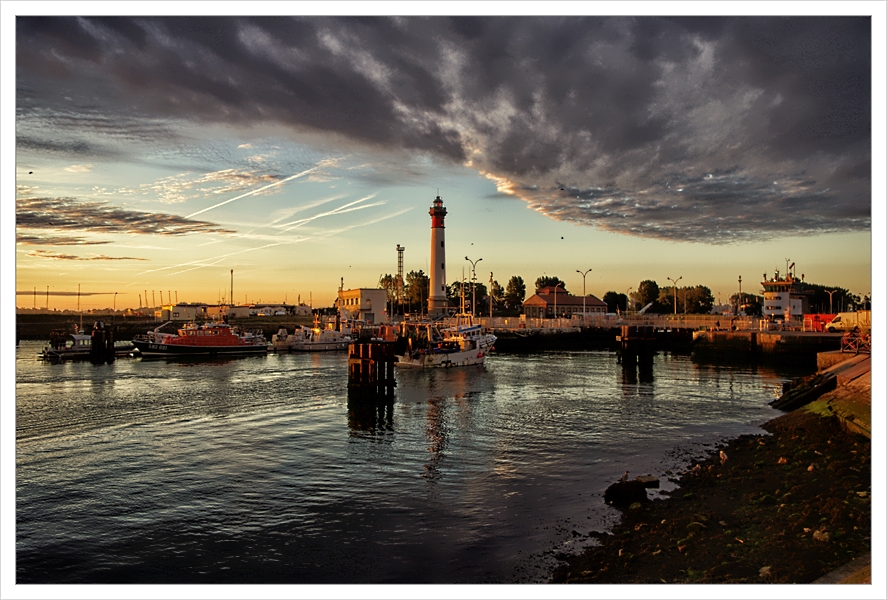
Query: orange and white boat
[[211, 339]]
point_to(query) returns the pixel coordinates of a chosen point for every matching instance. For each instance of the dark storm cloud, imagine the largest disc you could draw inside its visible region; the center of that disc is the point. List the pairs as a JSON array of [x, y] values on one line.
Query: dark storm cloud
[[764, 123], [67, 214]]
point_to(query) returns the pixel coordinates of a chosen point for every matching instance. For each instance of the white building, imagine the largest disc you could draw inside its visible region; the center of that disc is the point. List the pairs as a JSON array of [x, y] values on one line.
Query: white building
[[365, 304]]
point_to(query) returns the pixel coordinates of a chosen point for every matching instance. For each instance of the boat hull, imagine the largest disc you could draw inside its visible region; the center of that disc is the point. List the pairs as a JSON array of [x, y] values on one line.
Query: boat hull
[[442, 360], [318, 346], [159, 349]]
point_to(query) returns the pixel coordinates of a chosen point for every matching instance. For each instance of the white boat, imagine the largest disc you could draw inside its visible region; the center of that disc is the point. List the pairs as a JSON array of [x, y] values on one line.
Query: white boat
[[423, 345], [313, 339], [76, 345]]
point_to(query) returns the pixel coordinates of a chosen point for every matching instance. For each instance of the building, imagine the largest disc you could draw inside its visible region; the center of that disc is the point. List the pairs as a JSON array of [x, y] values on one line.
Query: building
[[785, 298], [549, 299], [364, 304], [438, 305]]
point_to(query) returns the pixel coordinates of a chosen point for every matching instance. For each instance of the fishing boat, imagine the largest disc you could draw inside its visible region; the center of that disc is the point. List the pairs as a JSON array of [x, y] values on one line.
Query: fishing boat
[[423, 344], [211, 339]]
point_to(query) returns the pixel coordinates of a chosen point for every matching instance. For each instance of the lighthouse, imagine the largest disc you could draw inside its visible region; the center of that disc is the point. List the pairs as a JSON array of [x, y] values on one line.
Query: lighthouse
[[437, 286]]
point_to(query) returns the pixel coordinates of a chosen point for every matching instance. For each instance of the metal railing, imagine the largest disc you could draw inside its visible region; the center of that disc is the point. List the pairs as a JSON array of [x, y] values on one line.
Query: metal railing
[[856, 343]]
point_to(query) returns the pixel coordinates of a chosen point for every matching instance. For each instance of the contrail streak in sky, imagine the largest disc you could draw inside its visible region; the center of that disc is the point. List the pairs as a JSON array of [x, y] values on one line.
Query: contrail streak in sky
[[335, 211], [276, 183]]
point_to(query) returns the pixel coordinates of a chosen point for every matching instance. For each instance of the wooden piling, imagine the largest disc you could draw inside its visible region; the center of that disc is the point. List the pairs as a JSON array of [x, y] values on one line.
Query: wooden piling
[[371, 368], [102, 346]]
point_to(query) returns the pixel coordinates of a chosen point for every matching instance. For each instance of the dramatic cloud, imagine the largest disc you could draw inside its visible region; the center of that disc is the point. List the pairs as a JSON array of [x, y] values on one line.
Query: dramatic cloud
[[59, 256], [67, 214], [57, 240], [700, 129]]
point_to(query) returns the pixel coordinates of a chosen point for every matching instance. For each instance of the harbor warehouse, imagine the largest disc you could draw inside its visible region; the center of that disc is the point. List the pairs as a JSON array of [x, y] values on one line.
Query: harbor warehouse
[[550, 302]]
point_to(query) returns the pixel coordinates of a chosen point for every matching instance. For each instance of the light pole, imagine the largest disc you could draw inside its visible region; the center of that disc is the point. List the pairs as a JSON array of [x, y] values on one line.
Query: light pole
[[473, 263], [739, 306], [830, 292], [674, 283], [491, 298], [555, 297], [583, 292]]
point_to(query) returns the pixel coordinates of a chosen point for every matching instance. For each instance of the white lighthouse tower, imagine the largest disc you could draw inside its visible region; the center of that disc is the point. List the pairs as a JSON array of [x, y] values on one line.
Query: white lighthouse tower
[[438, 304]]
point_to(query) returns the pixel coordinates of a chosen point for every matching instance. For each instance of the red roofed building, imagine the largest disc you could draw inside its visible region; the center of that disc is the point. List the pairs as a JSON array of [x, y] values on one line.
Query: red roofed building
[[542, 304]]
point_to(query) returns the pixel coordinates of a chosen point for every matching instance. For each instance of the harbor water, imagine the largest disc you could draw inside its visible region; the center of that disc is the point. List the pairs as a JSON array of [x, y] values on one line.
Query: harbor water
[[260, 470]]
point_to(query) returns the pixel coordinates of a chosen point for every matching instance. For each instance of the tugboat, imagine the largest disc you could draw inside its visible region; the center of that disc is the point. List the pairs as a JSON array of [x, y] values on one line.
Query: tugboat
[[422, 344], [211, 339]]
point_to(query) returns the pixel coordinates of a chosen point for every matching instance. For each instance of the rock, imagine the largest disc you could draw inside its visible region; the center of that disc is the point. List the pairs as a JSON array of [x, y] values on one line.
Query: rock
[[625, 493], [649, 481]]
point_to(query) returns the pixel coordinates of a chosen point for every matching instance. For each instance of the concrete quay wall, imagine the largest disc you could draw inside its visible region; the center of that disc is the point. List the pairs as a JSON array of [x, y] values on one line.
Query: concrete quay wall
[[766, 342]]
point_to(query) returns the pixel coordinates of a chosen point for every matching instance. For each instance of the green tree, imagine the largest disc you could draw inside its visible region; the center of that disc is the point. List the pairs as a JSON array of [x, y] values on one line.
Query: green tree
[[546, 281], [615, 301], [515, 292], [648, 291], [416, 290], [699, 299], [498, 294]]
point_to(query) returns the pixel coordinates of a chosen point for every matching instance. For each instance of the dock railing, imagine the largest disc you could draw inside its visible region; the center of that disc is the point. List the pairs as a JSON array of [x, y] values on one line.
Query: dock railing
[[856, 343]]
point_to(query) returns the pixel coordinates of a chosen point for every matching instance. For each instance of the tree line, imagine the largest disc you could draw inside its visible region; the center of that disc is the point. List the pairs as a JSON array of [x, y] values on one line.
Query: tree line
[[508, 300]]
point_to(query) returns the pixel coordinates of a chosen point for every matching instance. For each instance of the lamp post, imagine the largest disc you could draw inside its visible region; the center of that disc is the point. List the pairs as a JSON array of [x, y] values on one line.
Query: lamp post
[[830, 292], [739, 305], [473, 263], [583, 292], [491, 298], [674, 283], [555, 297]]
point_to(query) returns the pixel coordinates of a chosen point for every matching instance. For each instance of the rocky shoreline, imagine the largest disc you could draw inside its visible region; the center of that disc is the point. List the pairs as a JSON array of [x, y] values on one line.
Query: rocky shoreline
[[788, 507]]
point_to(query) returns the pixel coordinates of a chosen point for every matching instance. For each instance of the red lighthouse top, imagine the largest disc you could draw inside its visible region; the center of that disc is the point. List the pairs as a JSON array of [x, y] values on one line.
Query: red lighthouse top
[[437, 212]]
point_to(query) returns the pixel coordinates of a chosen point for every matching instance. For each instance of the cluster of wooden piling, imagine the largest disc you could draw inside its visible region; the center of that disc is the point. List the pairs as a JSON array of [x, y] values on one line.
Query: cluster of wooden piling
[[371, 369], [102, 348]]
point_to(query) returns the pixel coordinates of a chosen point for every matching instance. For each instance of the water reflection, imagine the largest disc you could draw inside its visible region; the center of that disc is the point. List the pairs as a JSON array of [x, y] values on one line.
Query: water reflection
[[436, 432], [637, 376], [372, 414]]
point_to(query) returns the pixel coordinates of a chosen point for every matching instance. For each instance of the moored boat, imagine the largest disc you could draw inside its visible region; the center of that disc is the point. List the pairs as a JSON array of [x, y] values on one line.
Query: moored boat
[[211, 339], [423, 345], [76, 346], [335, 336]]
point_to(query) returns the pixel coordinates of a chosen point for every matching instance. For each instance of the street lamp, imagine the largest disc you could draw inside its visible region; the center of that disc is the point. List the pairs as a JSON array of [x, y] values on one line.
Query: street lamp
[[739, 306], [674, 283], [473, 278], [555, 297], [830, 292], [583, 291]]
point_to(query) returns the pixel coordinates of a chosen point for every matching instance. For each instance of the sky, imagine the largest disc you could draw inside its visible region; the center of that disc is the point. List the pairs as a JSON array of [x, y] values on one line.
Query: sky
[[153, 156]]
